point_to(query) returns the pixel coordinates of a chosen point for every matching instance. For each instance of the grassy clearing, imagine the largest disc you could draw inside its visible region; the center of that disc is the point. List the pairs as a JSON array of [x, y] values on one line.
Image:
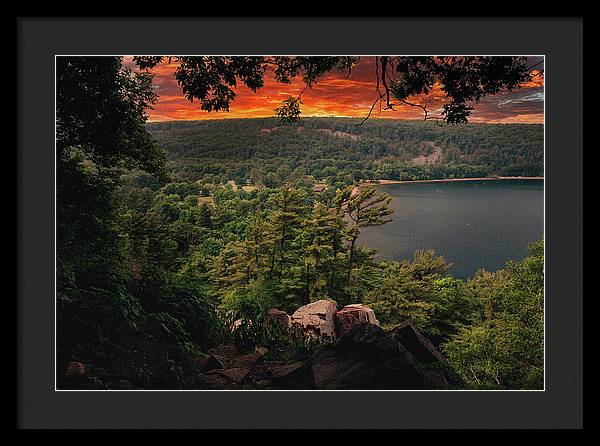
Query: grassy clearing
[[206, 200]]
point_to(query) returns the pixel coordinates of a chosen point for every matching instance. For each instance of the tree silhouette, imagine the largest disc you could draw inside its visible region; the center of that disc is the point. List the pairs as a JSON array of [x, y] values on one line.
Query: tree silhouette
[[465, 80]]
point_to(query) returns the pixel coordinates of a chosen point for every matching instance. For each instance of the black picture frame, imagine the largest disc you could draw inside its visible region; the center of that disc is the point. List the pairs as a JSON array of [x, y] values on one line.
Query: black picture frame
[[560, 405]]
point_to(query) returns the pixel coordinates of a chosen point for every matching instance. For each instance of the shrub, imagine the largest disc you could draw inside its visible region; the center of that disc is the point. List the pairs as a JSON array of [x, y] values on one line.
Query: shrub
[[91, 321], [506, 348]]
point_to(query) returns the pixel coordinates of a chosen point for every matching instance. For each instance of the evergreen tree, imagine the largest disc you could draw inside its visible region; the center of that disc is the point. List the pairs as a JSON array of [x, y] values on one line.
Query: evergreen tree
[[319, 257], [365, 207], [284, 223]]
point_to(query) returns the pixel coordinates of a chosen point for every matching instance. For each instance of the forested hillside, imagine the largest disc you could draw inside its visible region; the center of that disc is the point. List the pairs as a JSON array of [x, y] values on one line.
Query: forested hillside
[[265, 151]]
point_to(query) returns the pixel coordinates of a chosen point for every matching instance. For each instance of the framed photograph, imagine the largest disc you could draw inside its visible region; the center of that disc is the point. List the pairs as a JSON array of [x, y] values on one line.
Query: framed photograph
[[269, 232]]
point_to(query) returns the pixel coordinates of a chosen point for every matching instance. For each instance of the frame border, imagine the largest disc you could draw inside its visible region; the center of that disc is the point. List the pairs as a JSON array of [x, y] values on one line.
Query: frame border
[[40, 406]]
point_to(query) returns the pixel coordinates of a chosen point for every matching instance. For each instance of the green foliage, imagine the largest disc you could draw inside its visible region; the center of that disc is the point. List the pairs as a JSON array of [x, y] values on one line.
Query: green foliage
[[283, 344], [198, 316], [364, 206], [171, 329], [86, 225], [90, 320], [250, 302], [491, 328], [120, 240], [454, 307], [248, 323], [409, 291], [101, 110], [100, 130], [182, 189], [505, 349]]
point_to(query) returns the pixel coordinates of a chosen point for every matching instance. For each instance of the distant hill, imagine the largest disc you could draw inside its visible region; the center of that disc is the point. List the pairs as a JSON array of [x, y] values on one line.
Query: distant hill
[[337, 149]]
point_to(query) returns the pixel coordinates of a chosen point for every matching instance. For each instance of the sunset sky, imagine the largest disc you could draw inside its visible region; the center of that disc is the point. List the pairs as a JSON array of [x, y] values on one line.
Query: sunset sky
[[334, 95]]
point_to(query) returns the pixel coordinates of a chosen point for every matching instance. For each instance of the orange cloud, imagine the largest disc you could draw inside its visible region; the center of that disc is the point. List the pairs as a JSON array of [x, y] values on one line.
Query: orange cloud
[[337, 94]]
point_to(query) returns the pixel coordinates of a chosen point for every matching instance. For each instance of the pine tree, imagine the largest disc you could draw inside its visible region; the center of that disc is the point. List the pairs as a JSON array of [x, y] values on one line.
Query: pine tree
[[365, 207], [320, 232], [284, 223]]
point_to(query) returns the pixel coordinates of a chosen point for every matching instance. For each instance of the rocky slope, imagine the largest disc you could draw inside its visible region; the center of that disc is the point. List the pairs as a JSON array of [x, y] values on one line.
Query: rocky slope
[[356, 353]]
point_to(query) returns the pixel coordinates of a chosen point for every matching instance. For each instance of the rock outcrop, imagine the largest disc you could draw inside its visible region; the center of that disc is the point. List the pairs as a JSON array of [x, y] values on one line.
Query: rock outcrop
[[435, 368], [361, 356], [365, 358], [249, 361], [234, 370], [351, 315], [291, 376], [317, 319], [278, 318], [420, 347]]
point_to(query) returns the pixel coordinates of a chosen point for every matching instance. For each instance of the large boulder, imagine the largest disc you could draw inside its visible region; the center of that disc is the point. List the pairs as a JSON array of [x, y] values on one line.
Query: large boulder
[[317, 319], [365, 358], [353, 314], [249, 360], [279, 318], [420, 347], [437, 371], [291, 376]]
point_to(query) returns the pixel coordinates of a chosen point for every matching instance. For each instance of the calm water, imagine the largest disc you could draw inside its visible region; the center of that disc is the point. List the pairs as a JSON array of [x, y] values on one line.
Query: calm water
[[474, 224]]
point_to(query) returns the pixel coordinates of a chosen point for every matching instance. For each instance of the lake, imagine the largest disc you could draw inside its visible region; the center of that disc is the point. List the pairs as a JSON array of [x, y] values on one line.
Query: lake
[[473, 224]]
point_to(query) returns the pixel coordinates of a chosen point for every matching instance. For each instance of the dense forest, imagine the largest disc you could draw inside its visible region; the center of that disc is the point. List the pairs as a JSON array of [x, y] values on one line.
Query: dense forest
[[167, 276], [265, 151], [189, 270]]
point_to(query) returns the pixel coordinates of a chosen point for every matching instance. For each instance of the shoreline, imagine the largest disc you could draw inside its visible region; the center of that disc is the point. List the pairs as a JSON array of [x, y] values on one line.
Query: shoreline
[[447, 180]]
